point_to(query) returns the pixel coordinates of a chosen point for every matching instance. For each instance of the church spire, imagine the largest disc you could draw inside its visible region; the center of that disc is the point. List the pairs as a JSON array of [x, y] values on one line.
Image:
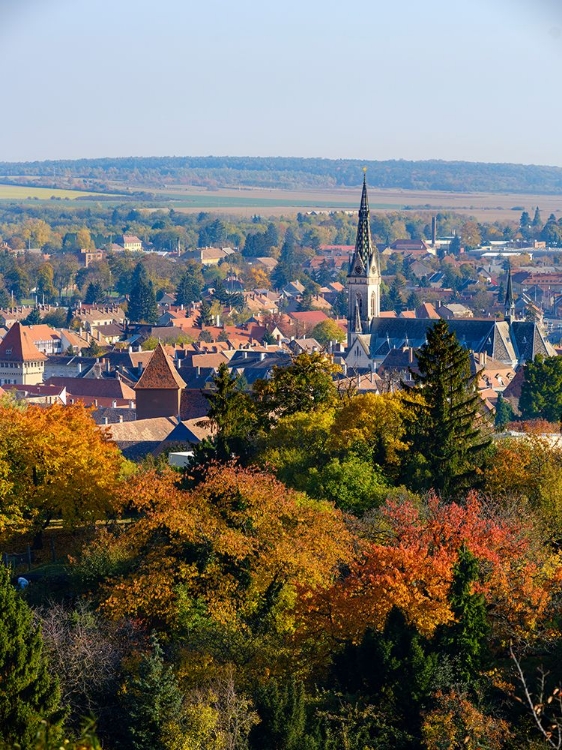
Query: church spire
[[363, 279], [509, 300]]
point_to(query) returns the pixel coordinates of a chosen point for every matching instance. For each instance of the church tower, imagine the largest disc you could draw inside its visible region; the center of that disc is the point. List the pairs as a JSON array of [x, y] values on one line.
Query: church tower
[[364, 277]]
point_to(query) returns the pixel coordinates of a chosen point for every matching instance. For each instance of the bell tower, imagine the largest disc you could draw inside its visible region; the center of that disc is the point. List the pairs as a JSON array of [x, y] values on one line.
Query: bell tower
[[363, 278]]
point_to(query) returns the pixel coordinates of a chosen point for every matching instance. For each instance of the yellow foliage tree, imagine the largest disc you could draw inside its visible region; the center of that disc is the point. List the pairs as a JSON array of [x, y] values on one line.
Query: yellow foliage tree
[[55, 462]]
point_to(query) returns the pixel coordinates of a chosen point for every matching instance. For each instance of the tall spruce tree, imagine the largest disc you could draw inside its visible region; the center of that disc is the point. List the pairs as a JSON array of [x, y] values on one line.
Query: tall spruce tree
[[153, 704], [188, 290], [466, 639], [142, 299], [446, 430], [282, 712], [28, 695]]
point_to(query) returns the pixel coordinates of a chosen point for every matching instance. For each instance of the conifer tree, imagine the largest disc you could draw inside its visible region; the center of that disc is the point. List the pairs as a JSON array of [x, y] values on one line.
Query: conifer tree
[[282, 713], [188, 290], [142, 300], [153, 704], [28, 695], [445, 428], [466, 638]]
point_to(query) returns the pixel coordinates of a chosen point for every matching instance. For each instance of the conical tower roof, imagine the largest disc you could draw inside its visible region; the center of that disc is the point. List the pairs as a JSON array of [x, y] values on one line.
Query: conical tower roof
[[363, 242], [160, 373], [18, 346]]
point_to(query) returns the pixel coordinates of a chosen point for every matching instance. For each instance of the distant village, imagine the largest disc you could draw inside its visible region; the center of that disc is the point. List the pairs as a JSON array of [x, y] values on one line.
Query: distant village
[[147, 382]]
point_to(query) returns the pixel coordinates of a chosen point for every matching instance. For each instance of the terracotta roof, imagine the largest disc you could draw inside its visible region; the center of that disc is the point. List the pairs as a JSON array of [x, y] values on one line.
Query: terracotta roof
[[18, 346], [83, 388], [160, 373], [309, 316]]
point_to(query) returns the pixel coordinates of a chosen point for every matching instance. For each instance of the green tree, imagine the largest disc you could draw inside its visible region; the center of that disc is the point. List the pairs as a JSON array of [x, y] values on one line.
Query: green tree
[[153, 702], [28, 695], [282, 713], [305, 385], [94, 293], [465, 640], [189, 288], [328, 331], [142, 299], [33, 319], [541, 392], [444, 424], [504, 413], [231, 412]]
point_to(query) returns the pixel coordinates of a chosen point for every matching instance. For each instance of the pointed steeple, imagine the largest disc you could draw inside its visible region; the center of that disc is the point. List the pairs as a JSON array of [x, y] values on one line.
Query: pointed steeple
[[363, 242], [357, 327], [363, 278], [509, 300]]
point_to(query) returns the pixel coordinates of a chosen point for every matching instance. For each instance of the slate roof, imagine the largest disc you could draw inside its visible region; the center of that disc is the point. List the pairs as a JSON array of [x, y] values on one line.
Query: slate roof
[[160, 373], [113, 388], [17, 346]]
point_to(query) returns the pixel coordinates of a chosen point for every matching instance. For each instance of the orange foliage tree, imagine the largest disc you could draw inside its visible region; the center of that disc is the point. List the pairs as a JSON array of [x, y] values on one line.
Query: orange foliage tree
[[410, 565], [227, 555], [55, 462]]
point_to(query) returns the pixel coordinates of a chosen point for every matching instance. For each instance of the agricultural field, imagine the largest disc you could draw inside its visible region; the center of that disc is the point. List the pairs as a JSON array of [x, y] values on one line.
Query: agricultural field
[[19, 193], [247, 201]]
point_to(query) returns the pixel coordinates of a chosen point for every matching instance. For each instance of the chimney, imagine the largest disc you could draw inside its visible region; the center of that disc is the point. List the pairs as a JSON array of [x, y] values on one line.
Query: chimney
[[107, 366], [106, 420], [131, 404], [198, 370], [434, 230], [262, 356], [114, 404], [79, 367], [120, 418]]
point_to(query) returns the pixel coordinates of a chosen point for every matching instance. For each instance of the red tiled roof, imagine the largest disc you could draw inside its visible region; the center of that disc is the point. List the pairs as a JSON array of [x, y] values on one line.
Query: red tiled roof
[[309, 316], [160, 373], [94, 387], [17, 346]]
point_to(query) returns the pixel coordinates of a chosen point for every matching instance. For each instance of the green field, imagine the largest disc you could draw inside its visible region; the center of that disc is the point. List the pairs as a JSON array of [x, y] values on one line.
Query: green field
[[19, 193]]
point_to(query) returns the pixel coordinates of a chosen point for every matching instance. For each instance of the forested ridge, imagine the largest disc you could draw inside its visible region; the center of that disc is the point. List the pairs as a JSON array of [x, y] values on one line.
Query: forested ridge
[[292, 172]]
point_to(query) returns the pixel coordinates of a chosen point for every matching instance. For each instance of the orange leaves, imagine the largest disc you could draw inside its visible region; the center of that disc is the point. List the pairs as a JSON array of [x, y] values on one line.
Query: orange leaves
[[230, 542], [414, 569]]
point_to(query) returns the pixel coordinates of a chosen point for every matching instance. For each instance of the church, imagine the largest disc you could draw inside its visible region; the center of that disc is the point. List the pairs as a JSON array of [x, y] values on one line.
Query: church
[[371, 338]]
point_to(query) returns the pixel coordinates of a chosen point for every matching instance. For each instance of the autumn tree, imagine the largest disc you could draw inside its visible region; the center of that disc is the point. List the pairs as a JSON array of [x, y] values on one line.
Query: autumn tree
[[28, 695], [328, 331], [443, 419], [55, 462], [223, 562]]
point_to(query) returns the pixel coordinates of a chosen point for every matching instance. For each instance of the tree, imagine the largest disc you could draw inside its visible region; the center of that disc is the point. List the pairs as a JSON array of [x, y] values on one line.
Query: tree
[[189, 288], [28, 695], [55, 462], [444, 425], [465, 639], [455, 245], [232, 415], [328, 331], [282, 712], [94, 293], [142, 299], [504, 413], [305, 385], [153, 704], [33, 318], [541, 392]]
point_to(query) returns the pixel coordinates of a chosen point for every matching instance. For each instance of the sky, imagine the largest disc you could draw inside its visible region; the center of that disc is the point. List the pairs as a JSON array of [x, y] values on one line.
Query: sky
[[474, 80]]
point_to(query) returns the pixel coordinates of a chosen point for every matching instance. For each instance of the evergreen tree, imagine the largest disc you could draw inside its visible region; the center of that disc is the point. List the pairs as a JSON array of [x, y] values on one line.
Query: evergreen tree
[[205, 317], [142, 300], [455, 245], [94, 293], [188, 290], [504, 413], [28, 695], [465, 640], [444, 424], [153, 702], [232, 413], [33, 319], [282, 713], [541, 392], [537, 221]]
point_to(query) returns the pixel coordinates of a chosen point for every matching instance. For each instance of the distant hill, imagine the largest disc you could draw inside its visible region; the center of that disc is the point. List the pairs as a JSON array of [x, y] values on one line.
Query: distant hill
[[294, 173]]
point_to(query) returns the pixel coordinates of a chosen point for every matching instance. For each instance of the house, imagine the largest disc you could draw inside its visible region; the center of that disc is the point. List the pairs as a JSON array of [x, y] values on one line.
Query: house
[[132, 243], [21, 362], [454, 310]]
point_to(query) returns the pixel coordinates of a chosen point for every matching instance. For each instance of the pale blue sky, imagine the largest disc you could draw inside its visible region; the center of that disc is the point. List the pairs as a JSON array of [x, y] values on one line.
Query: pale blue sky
[[475, 80]]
